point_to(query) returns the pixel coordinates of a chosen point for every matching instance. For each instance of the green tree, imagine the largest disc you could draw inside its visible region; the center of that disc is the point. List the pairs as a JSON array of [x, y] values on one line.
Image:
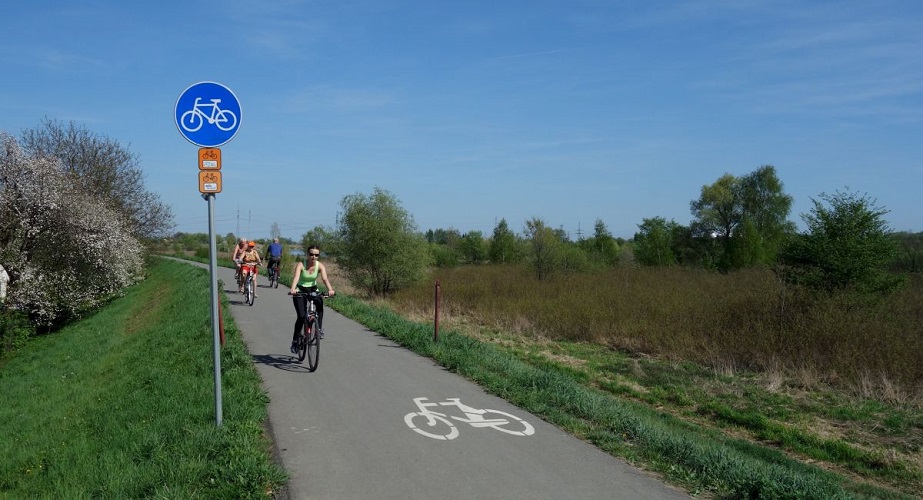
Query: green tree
[[911, 251], [718, 211], [604, 245], [450, 237], [765, 216], [847, 247], [572, 258], [473, 247], [443, 256], [503, 246], [746, 216], [653, 243], [381, 250], [324, 237], [545, 245]]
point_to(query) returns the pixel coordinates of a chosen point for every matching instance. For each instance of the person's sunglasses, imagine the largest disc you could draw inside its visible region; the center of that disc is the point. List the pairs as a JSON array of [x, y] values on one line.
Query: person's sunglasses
[[314, 254]]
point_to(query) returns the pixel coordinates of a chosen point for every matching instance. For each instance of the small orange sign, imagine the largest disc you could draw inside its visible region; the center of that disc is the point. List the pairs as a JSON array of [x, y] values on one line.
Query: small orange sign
[[209, 181], [209, 159]]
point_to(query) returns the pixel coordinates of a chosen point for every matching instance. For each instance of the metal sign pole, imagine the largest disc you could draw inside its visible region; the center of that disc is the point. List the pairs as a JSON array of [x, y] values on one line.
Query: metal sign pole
[[191, 113], [213, 266]]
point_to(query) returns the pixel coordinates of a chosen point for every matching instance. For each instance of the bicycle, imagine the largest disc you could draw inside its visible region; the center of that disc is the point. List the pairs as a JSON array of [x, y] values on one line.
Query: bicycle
[[308, 343], [475, 417], [224, 119], [249, 270], [238, 275], [274, 275]]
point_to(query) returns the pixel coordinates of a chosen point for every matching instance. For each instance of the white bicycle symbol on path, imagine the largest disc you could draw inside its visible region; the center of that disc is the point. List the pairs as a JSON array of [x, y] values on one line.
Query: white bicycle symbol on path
[[442, 428], [193, 119]]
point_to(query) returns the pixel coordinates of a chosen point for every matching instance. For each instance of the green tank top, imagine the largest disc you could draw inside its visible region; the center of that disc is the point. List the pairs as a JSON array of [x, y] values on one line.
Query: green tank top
[[308, 280]]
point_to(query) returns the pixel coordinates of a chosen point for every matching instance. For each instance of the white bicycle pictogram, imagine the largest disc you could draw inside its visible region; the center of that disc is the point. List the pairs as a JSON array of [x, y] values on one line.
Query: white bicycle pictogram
[[193, 119], [475, 417]]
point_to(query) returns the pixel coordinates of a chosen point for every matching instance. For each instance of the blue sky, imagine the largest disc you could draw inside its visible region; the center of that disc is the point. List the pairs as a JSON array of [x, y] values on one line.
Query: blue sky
[[469, 112]]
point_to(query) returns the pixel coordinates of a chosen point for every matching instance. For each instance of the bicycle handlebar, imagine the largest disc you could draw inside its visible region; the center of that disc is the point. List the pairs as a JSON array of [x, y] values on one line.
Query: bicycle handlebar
[[310, 294]]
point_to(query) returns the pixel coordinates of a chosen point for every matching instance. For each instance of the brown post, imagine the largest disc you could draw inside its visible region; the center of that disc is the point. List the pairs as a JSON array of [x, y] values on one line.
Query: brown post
[[436, 329], [221, 323]]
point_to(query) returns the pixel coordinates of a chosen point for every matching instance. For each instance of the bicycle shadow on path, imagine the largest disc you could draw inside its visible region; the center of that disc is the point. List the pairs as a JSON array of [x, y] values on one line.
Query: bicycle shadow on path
[[235, 298], [284, 362]]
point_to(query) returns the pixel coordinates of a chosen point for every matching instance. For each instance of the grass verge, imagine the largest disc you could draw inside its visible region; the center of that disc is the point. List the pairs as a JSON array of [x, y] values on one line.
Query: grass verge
[[714, 434], [121, 404], [702, 459]]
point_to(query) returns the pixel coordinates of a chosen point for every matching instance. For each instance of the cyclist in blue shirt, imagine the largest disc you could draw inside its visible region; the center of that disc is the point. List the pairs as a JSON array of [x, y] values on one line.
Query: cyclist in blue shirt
[[274, 254]]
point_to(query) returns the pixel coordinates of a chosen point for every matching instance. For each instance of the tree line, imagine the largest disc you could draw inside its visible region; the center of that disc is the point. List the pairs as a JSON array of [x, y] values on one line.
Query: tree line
[[738, 222]]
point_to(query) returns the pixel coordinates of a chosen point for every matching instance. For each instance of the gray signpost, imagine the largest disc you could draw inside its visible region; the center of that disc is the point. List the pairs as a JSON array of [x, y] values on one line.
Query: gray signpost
[[208, 115]]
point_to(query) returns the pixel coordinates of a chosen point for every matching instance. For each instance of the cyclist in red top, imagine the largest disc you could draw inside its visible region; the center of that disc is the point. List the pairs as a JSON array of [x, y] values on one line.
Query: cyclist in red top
[[251, 256]]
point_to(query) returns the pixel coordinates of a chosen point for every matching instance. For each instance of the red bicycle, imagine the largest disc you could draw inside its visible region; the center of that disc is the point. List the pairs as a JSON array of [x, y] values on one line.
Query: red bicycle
[[248, 270], [274, 275]]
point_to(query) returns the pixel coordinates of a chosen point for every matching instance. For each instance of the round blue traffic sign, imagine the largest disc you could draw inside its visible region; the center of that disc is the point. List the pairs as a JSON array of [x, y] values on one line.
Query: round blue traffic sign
[[207, 114]]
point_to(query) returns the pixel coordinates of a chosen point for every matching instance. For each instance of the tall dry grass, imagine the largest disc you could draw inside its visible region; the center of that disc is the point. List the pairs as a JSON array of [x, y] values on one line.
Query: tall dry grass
[[742, 320]]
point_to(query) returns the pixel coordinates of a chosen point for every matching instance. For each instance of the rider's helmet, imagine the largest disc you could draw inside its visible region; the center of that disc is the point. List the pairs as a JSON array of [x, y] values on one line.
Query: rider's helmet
[[251, 244]]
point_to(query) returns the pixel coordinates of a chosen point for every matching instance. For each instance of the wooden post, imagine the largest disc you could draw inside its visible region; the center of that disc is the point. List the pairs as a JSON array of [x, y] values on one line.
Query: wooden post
[[221, 322], [436, 329]]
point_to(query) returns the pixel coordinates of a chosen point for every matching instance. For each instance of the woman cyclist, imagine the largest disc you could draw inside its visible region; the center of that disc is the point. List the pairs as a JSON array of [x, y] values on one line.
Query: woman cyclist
[[305, 280], [251, 256]]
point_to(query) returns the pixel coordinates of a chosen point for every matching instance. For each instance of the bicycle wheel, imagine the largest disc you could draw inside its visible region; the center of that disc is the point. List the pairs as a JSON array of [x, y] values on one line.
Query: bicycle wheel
[[312, 344], [225, 120], [192, 121], [302, 347], [251, 295], [446, 432], [498, 420]]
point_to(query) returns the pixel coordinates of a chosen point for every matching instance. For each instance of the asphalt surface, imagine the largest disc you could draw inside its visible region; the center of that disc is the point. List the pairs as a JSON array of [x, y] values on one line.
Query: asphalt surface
[[342, 432]]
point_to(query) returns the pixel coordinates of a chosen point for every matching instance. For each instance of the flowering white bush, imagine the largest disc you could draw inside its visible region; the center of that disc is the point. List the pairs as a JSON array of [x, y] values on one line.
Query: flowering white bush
[[104, 167], [66, 252]]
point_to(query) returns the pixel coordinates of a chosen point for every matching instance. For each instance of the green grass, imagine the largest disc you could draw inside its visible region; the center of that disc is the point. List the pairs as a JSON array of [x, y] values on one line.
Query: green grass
[[121, 404], [833, 381], [723, 433], [699, 457]]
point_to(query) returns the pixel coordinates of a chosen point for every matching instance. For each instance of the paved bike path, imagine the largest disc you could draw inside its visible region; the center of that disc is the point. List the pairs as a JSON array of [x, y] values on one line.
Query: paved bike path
[[340, 431]]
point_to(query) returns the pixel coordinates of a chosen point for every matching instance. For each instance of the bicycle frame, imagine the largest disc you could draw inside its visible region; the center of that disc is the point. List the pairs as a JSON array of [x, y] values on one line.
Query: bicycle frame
[[274, 271], [473, 416], [215, 116]]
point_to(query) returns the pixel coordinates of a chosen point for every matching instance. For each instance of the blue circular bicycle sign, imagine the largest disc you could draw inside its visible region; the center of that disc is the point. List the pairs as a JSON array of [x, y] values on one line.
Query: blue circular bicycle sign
[[207, 114]]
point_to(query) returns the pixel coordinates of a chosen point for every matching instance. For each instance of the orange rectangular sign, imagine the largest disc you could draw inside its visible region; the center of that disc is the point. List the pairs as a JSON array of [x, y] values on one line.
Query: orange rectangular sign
[[209, 181], [209, 159]]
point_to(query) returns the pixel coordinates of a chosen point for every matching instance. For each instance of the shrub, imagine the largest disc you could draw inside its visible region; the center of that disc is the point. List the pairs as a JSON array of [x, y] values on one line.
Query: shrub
[[66, 251], [380, 250], [847, 247]]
